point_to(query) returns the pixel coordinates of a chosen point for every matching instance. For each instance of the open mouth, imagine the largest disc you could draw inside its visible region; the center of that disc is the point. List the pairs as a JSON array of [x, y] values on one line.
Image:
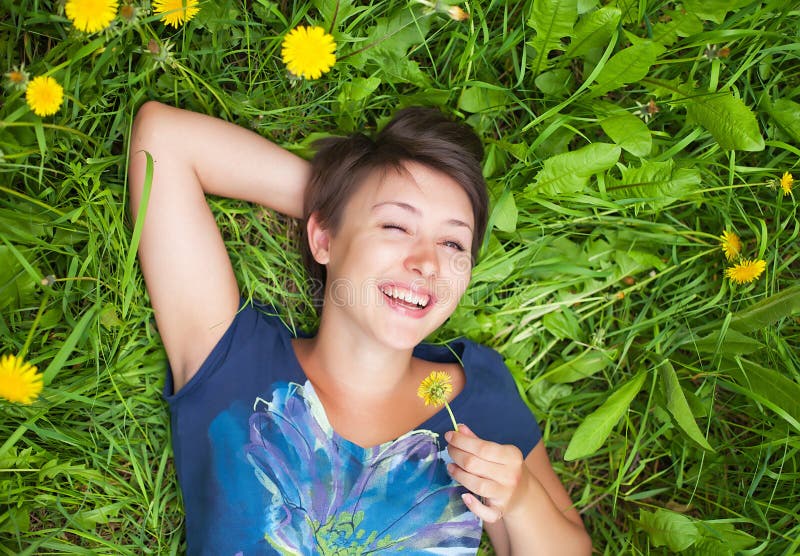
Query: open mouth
[[406, 298]]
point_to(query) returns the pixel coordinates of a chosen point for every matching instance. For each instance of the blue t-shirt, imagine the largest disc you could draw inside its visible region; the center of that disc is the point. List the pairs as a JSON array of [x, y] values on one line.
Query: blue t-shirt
[[263, 472]]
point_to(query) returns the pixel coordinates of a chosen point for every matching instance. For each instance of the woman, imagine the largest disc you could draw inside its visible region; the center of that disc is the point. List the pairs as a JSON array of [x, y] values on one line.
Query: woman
[[319, 444]]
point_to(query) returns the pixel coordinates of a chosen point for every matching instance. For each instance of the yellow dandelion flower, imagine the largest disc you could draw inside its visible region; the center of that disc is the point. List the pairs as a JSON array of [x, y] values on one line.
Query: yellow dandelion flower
[[308, 52], [786, 183], [434, 390], [19, 381], [746, 271], [176, 12], [91, 15], [730, 244], [44, 95]]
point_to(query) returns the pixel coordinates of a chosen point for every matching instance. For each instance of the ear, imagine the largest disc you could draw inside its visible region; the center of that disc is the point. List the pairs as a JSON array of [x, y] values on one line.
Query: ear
[[318, 239]]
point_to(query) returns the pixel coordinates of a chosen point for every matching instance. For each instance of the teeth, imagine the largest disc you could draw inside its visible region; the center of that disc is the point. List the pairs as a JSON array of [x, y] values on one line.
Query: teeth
[[406, 296]]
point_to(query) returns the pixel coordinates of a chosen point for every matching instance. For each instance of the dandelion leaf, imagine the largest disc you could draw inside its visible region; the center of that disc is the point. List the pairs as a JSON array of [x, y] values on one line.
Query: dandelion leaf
[[680, 24], [338, 11], [552, 20], [17, 287], [731, 343], [629, 10], [562, 324], [555, 83], [656, 183], [593, 431], [767, 311], [678, 406], [786, 113], [629, 132], [732, 124], [627, 66], [570, 172], [712, 10], [390, 39], [767, 387], [720, 539], [671, 529], [586, 364], [482, 97], [594, 30], [504, 214]]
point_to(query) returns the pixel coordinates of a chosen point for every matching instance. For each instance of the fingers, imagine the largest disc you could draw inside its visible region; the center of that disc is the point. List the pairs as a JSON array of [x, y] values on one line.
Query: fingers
[[486, 513], [466, 441], [488, 470]]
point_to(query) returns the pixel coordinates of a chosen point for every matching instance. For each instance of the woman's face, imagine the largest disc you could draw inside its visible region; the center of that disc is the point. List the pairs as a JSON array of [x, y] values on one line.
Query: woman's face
[[401, 260]]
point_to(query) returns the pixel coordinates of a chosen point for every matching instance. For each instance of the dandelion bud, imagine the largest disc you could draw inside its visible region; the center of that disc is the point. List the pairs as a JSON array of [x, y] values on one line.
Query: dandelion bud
[[457, 13]]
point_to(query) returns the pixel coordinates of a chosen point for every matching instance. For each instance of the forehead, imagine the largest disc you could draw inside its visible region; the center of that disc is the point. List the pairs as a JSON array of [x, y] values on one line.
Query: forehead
[[431, 192]]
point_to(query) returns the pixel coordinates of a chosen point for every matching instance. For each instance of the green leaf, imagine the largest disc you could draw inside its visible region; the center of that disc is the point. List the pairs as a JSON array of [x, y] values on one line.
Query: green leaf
[[732, 124], [586, 364], [770, 387], [66, 349], [562, 324], [17, 287], [337, 11], [713, 10], [570, 172], [629, 10], [481, 98], [665, 528], [555, 83], [680, 24], [627, 66], [767, 311], [724, 535], [657, 183], [552, 20], [629, 132], [786, 114], [678, 406], [504, 214], [732, 343], [593, 31], [593, 431]]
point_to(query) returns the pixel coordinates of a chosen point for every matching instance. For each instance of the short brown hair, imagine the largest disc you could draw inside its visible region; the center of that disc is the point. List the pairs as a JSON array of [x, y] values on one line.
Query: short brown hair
[[416, 134]]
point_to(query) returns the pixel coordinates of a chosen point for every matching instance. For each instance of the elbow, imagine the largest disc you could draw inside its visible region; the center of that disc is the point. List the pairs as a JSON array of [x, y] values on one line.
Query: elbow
[[147, 129], [145, 126]]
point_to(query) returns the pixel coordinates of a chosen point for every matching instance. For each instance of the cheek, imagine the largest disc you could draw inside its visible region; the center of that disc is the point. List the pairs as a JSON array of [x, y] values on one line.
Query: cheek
[[455, 275]]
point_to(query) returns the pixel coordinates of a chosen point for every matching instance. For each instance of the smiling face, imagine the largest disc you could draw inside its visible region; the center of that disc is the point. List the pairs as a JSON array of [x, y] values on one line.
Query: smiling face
[[401, 259]]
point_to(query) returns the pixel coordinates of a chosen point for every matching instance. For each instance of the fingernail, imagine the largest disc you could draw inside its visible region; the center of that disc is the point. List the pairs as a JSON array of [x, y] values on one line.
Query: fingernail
[[448, 436]]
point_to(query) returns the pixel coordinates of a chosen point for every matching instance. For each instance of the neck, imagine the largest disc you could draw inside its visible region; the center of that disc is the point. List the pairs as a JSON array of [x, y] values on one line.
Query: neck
[[355, 364]]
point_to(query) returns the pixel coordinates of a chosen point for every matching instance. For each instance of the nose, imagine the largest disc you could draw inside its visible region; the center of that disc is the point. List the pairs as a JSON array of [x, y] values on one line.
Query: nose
[[422, 258]]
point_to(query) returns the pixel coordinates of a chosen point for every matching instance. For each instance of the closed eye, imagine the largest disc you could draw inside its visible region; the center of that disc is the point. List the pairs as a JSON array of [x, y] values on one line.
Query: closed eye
[[453, 245], [393, 227]]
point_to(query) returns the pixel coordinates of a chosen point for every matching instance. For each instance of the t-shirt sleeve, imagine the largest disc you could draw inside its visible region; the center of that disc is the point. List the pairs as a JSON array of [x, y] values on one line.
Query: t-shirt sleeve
[[500, 415], [254, 338]]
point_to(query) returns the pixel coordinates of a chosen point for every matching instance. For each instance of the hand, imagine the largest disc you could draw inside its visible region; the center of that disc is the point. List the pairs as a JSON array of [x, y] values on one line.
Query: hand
[[495, 472]]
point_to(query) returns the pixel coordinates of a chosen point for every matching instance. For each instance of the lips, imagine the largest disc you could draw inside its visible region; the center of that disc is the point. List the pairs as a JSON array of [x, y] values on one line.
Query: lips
[[413, 302]]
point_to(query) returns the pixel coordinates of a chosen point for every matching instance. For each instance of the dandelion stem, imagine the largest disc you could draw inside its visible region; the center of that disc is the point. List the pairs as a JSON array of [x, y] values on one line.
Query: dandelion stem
[[452, 417]]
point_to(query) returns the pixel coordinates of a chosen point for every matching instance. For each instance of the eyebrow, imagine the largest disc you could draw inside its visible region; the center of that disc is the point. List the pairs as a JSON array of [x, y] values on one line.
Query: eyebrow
[[414, 210]]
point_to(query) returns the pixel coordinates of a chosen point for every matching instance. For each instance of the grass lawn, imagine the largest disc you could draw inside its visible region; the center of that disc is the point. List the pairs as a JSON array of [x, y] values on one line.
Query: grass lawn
[[623, 139]]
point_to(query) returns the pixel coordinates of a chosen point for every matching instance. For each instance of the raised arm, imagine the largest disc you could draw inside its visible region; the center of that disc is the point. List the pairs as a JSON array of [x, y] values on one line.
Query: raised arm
[[186, 267]]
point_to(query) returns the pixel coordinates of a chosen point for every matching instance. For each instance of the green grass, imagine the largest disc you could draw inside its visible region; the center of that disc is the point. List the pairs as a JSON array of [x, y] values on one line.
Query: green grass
[[600, 265]]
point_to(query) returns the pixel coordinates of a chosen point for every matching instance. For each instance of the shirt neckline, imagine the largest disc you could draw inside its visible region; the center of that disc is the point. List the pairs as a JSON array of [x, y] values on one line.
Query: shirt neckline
[[455, 351]]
